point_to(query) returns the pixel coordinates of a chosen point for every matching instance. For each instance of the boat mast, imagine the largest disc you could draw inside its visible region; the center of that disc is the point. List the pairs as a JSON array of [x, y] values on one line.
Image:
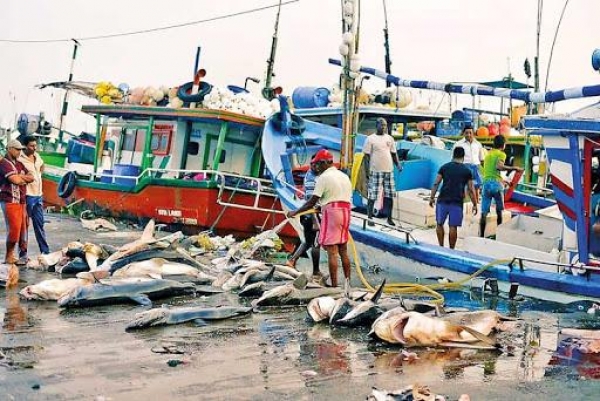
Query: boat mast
[[386, 44], [536, 60], [268, 92], [65, 104], [350, 71]]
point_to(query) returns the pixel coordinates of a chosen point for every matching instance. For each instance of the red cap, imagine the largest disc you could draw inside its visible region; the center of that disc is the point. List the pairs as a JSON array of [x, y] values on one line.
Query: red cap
[[322, 155]]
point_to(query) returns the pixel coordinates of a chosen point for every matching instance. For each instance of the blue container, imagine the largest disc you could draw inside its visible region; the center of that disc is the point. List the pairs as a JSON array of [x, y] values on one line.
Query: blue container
[[309, 97], [458, 115], [126, 170], [80, 152], [107, 176]]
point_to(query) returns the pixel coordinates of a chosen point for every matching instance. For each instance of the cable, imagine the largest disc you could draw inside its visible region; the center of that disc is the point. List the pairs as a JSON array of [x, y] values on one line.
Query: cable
[[562, 14], [150, 30]]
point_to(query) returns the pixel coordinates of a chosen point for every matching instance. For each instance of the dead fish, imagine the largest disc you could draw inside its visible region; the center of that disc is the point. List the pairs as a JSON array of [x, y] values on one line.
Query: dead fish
[[320, 309], [253, 290], [413, 329], [50, 259], [162, 268], [151, 253], [254, 276], [364, 313], [140, 291], [93, 253], [98, 224], [221, 279], [409, 393], [341, 308], [288, 294], [198, 314], [53, 289], [233, 283]]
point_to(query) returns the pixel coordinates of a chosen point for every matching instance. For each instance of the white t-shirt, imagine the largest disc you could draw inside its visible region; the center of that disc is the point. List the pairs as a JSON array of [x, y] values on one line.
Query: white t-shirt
[[380, 149], [35, 168], [473, 151], [333, 186]]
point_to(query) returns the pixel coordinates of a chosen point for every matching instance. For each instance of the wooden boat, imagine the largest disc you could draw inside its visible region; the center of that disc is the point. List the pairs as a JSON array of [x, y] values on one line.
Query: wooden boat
[[194, 169]]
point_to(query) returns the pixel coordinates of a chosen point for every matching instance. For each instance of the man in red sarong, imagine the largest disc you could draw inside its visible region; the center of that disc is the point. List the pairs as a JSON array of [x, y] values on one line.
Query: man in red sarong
[[333, 191]]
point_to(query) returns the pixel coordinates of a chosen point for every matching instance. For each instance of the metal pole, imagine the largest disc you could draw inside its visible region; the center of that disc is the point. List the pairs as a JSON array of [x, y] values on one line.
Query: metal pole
[[65, 104], [536, 59], [267, 91], [386, 44]]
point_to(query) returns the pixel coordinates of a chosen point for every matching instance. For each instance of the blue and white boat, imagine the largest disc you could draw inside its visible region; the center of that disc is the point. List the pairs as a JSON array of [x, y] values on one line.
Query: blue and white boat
[[551, 252]]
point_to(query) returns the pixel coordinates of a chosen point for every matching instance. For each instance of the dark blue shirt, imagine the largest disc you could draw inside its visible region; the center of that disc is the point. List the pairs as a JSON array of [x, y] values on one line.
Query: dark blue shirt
[[455, 176]]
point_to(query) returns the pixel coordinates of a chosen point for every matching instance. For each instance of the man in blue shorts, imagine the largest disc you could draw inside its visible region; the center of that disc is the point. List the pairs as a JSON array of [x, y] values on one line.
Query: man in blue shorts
[[455, 176]]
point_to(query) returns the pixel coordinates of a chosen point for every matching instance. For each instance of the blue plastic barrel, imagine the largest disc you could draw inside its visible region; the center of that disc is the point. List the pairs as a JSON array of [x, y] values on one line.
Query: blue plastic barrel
[[309, 97]]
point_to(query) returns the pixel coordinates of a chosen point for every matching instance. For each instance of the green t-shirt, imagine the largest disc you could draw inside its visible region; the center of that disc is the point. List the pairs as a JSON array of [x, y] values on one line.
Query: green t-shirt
[[489, 165]]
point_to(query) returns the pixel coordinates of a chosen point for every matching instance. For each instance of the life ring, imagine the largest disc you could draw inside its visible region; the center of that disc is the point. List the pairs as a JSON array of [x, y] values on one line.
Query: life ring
[[67, 183], [297, 125], [184, 92]]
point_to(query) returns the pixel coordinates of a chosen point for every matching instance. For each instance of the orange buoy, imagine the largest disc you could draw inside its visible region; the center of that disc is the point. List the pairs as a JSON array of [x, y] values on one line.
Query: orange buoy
[[482, 132]]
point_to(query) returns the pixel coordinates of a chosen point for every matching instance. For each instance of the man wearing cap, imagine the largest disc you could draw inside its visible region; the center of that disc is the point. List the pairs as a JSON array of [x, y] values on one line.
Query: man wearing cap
[[333, 191], [34, 203], [13, 180], [380, 156], [473, 154]]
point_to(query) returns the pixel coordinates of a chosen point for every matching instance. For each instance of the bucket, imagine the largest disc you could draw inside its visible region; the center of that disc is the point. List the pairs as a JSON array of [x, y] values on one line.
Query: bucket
[[309, 97]]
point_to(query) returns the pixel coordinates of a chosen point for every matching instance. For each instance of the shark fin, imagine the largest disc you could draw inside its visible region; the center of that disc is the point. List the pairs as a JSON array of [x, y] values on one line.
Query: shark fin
[[271, 274], [378, 293], [141, 299], [480, 336], [148, 234]]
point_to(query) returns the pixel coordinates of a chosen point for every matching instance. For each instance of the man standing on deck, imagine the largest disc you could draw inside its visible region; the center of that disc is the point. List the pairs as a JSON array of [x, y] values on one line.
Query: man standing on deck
[[13, 179], [333, 191], [450, 201], [473, 154], [493, 185], [34, 203], [380, 157]]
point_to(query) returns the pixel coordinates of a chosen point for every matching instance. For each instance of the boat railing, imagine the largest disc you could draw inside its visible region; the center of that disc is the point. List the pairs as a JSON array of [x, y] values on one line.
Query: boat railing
[[541, 190], [560, 267], [229, 185], [408, 237]]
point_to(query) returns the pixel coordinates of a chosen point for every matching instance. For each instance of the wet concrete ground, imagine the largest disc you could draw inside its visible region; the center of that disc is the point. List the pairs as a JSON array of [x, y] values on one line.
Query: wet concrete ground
[[86, 354]]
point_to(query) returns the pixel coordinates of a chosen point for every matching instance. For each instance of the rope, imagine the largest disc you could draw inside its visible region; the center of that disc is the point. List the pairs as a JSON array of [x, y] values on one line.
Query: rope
[[429, 290]]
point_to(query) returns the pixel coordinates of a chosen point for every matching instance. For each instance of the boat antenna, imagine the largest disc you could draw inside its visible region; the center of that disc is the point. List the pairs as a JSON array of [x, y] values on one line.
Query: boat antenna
[[65, 104], [268, 92], [562, 14], [386, 44]]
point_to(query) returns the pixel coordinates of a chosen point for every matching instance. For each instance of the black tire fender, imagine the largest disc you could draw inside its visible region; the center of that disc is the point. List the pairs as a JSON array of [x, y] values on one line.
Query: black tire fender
[[67, 184]]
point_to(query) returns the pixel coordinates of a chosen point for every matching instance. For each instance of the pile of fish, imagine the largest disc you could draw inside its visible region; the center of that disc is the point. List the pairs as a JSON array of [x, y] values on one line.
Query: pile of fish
[[151, 268]]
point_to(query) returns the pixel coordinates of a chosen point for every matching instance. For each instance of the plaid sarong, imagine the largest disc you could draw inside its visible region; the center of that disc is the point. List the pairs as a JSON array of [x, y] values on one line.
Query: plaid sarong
[[377, 179]]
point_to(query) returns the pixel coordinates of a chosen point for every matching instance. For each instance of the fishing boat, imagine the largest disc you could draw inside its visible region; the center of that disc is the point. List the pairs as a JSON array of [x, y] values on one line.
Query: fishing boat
[[547, 252], [194, 168]]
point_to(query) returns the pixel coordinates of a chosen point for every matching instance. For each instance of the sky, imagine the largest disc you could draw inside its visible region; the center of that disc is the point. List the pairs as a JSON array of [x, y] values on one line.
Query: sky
[[438, 40]]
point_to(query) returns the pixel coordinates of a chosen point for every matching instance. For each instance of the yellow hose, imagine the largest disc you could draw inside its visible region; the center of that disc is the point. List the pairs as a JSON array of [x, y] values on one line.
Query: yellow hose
[[430, 290]]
